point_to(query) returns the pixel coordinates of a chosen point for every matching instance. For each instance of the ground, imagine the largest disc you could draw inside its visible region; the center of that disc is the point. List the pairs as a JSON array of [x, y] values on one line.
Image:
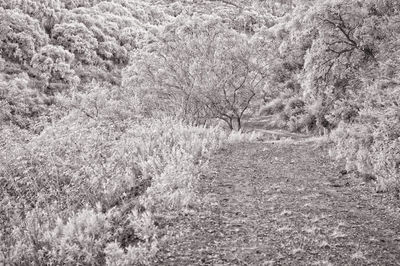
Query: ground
[[282, 203]]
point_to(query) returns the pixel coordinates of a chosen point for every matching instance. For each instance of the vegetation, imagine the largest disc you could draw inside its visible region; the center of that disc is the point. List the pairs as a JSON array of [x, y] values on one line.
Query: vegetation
[[109, 108], [340, 58]]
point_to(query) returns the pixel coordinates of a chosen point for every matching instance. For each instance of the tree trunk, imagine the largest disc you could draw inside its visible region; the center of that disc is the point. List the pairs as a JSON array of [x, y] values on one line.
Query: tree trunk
[[229, 122], [239, 123]]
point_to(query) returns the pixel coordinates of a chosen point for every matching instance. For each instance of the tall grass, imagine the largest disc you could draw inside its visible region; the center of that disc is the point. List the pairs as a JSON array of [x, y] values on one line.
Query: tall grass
[[85, 190]]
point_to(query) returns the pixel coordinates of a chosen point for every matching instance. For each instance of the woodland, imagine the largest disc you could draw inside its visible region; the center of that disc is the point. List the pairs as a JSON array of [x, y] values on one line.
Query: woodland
[[110, 109]]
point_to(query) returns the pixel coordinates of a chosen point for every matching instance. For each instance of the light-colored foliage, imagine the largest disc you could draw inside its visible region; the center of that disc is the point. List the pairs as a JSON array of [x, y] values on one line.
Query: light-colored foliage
[[85, 164], [21, 36], [200, 70], [54, 66], [102, 168]]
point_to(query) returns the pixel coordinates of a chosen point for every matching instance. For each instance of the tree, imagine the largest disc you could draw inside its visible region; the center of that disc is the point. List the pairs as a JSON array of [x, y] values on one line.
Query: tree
[[20, 36], [77, 39], [201, 70], [20, 104], [46, 12], [54, 66], [352, 67], [71, 4]]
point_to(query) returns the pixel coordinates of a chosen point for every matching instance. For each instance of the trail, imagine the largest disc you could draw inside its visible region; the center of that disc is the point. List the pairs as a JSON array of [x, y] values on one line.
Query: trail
[[282, 203]]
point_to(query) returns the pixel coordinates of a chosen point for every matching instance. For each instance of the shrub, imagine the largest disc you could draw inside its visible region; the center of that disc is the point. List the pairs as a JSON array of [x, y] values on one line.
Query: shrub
[[294, 106], [294, 124], [371, 149], [308, 122], [291, 114], [272, 107]]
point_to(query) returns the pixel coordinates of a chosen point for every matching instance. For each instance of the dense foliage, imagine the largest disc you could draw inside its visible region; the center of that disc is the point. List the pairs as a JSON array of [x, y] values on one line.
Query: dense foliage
[[86, 188], [334, 66], [108, 108], [86, 165]]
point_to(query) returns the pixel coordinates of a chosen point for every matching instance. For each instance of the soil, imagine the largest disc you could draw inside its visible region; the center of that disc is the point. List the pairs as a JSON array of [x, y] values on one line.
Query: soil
[[281, 202]]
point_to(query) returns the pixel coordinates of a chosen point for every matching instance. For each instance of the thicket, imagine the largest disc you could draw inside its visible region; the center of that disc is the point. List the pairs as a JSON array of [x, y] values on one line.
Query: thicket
[[334, 67]]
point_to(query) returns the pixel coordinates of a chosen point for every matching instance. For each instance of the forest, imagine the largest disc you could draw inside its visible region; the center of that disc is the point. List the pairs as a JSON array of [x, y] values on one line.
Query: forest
[[109, 109]]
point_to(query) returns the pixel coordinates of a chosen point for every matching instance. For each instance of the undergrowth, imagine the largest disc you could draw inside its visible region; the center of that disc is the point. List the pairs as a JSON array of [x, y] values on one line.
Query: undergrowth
[[85, 190]]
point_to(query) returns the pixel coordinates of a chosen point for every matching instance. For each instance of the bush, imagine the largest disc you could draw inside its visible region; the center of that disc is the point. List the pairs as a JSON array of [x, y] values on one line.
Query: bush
[[275, 106], [308, 122], [372, 149], [80, 240], [294, 106]]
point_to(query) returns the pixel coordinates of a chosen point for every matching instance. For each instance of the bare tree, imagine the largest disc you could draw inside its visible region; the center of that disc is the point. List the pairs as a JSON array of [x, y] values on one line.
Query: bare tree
[[201, 72]]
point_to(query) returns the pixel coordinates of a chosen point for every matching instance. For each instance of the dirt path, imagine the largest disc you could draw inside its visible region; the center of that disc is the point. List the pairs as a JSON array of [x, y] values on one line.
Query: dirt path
[[282, 204]]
